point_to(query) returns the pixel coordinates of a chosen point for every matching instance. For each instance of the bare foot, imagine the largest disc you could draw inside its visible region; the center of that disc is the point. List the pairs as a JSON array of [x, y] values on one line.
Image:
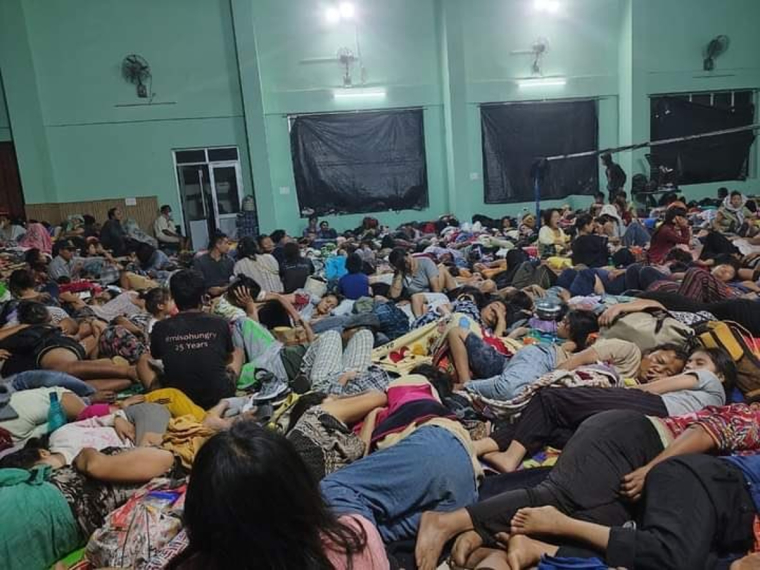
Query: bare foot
[[524, 552], [434, 532], [464, 547], [538, 520]]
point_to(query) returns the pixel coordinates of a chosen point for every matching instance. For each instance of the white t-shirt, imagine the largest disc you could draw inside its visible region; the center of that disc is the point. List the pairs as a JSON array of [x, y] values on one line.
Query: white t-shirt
[[162, 224], [97, 433]]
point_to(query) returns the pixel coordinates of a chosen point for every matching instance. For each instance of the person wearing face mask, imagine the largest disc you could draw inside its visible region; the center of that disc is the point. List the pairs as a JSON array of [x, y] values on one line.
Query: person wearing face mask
[[166, 231]]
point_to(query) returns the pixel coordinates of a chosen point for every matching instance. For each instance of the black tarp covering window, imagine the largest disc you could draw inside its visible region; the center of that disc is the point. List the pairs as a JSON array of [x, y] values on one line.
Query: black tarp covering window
[[347, 163], [515, 135], [711, 159]]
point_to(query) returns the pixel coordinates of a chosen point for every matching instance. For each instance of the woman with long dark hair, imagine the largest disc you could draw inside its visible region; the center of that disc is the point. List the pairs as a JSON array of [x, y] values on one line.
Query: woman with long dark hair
[[251, 503]]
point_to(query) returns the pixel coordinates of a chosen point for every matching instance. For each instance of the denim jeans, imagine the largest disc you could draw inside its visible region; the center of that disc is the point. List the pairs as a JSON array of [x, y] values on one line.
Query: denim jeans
[[49, 378], [429, 470], [524, 368]]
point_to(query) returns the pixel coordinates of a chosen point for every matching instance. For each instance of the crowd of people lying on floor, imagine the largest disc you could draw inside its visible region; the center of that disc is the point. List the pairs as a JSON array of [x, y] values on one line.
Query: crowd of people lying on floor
[[497, 393]]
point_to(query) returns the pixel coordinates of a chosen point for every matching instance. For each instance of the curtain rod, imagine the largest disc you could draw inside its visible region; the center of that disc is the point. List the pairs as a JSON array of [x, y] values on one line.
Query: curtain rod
[[353, 111], [534, 101], [614, 150]]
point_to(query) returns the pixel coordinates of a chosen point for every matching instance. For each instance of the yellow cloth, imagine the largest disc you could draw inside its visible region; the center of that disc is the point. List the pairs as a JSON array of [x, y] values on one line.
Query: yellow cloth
[[419, 345], [559, 263], [140, 283], [177, 402], [184, 438]]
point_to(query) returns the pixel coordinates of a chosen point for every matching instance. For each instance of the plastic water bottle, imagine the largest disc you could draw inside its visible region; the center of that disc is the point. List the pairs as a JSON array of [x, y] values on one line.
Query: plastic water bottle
[[56, 416]]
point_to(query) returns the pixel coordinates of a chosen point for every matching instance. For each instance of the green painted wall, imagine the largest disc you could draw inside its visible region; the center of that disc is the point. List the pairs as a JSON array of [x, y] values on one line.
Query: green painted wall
[[398, 43], [229, 72], [99, 149], [669, 39]]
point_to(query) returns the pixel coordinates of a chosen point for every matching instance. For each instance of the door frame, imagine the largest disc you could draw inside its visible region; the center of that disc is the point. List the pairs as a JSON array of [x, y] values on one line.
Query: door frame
[[212, 182]]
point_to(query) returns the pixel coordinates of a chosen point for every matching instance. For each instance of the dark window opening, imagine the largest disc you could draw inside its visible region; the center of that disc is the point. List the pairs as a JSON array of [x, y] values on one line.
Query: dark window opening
[[516, 135], [222, 154], [710, 159], [348, 163], [190, 156]]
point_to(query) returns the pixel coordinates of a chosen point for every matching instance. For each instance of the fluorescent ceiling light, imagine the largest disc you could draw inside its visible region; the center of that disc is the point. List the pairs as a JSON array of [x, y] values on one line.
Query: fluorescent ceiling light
[[354, 93], [542, 82], [332, 15], [551, 6], [347, 10]]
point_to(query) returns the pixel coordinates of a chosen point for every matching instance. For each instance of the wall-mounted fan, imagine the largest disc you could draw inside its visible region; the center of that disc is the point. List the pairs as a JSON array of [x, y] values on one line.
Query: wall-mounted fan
[[714, 49], [136, 70], [347, 59], [538, 50]]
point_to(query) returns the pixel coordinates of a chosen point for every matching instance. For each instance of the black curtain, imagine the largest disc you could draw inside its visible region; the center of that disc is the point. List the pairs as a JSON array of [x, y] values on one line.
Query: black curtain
[[711, 159], [516, 135], [359, 162]]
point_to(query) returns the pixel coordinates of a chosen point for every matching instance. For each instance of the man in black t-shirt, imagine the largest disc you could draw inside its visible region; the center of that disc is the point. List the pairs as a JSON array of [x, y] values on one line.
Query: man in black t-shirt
[[216, 267], [589, 249], [195, 347]]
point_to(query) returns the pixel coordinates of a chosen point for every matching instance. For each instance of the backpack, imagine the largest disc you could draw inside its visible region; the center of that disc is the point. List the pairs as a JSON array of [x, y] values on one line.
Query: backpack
[[393, 321], [136, 531], [648, 329], [743, 348]]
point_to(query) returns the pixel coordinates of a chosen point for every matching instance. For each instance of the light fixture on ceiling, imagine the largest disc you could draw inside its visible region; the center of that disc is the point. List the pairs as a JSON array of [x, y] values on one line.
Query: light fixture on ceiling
[[347, 10], [542, 82], [332, 15], [359, 93], [550, 6]]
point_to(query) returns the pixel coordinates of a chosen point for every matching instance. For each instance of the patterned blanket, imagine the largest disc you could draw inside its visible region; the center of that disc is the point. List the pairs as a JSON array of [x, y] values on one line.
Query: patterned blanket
[[599, 376]]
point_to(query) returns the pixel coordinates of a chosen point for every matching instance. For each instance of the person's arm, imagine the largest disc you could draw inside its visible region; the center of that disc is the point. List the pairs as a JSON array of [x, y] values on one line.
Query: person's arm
[[365, 434], [397, 286], [501, 322], [695, 439], [217, 291], [672, 384], [582, 358], [684, 235], [716, 224], [10, 331], [615, 311], [309, 331], [129, 325]]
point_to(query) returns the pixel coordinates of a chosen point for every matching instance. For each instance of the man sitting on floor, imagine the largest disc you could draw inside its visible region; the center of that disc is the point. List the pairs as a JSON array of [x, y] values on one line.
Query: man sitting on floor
[[195, 347], [216, 267]]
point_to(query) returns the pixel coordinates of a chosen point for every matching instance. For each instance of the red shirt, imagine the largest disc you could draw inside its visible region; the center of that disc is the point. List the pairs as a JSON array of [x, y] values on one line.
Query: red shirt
[[664, 239], [735, 428]]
